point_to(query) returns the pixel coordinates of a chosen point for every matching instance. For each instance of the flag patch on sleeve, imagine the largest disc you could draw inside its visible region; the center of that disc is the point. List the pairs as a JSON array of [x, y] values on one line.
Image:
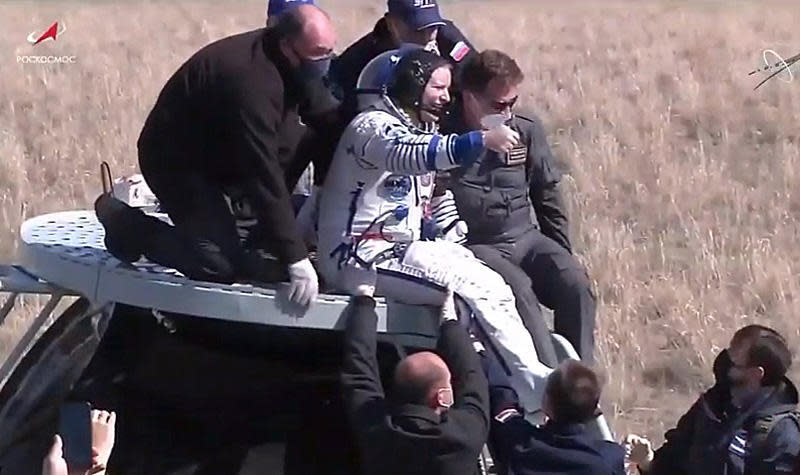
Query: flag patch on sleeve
[[459, 51]]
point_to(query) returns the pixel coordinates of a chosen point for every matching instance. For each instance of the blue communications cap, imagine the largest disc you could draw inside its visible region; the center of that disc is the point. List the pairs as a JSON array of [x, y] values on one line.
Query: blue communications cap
[[418, 14], [276, 7]]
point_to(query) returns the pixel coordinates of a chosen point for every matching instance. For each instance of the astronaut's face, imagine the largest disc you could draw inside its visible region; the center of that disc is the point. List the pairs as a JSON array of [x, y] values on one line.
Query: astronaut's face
[[436, 95]]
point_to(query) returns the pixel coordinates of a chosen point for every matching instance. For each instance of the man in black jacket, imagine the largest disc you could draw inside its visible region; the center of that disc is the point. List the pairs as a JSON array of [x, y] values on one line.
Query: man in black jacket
[[428, 426], [746, 424], [496, 197], [218, 151], [406, 21], [563, 446]]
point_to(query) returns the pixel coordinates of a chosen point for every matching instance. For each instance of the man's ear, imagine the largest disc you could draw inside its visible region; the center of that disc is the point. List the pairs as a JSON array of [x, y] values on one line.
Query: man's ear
[[288, 52], [761, 372]]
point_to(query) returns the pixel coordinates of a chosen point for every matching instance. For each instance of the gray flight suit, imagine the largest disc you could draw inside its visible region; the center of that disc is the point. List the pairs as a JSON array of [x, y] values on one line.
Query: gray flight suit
[[517, 225]]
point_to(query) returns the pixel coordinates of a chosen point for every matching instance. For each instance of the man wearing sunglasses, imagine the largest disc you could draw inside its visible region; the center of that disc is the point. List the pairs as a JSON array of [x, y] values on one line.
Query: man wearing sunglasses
[[496, 195]]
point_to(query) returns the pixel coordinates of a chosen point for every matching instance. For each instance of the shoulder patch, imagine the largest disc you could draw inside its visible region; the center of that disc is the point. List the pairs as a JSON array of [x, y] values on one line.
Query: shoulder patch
[[459, 51], [517, 156]]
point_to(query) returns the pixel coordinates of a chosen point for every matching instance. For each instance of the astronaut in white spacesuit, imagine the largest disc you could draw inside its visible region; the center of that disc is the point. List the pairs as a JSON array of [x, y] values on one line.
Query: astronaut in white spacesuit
[[378, 191]]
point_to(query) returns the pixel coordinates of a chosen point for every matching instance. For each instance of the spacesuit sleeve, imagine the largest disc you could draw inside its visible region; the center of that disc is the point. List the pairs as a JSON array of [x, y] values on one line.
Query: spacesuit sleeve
[[388, 144]]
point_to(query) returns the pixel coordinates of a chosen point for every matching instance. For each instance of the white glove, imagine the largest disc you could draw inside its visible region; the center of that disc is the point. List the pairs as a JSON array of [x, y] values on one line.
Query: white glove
[[639, 451], [303, 282], [358, 280], [500, 139]]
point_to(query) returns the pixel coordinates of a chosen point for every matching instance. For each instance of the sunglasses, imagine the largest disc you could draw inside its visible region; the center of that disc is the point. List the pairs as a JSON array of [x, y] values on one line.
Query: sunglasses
[[502, 106]]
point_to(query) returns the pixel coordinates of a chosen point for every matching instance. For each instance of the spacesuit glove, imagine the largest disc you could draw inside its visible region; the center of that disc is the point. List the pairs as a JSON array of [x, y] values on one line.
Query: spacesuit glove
[[500, 139], [303, 282]]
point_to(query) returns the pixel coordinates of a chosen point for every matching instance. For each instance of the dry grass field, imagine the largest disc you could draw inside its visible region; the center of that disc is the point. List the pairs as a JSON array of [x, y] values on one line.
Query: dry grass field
[[683, 182]]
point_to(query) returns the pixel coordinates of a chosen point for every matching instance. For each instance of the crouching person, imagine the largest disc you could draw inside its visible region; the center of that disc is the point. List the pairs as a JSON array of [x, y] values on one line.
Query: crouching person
[[436, 421], [563, 445], [747, 423]]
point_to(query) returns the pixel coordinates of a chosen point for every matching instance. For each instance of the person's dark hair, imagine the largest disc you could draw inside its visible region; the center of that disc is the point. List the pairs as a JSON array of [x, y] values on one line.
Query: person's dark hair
[[412, 74], [573, 392], [767, 349], [487, 65]]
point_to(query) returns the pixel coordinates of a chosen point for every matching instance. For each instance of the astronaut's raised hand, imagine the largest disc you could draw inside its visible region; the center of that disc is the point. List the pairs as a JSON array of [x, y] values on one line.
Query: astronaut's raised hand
[[500, 139], [303, 282]]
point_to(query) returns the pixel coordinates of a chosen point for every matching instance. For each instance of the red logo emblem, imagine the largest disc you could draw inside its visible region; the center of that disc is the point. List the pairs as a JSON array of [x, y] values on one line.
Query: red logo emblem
[[51, 32]]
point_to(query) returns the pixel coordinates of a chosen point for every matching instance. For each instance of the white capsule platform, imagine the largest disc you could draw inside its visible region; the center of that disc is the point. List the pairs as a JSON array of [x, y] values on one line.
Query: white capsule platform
[[63, 254]]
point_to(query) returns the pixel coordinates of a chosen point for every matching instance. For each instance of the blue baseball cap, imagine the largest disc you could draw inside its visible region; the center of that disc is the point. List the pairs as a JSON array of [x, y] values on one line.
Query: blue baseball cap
[[418, 14], [276, 7]]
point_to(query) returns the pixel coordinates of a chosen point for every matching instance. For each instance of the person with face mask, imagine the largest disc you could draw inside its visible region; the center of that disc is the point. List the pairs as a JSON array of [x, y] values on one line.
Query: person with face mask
[[746, 424], [514, 211], [379, 190], [217, 149], [435, 418]]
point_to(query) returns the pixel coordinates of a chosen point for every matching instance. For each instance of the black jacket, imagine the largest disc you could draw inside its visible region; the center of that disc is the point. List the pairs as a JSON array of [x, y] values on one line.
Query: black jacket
[[713, 438], [554, 449], [487, 209], [346, 67], [231, 113], [413, 439]]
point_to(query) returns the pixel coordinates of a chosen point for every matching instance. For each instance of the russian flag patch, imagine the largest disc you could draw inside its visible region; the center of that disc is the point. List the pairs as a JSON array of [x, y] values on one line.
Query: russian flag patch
[[459, 51]]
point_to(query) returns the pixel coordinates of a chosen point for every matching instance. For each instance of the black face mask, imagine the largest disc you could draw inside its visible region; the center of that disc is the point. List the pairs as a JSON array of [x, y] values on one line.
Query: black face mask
[[313, 68], [722, 368]]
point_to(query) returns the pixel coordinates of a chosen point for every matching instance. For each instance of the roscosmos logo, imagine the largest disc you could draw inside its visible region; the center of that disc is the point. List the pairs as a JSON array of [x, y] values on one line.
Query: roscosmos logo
[[36, 37], [50, 33]]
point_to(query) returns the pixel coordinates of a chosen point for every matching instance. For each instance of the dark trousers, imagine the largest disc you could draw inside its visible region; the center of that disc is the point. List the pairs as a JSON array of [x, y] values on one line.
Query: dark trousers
[[539, 270], [210, 239]]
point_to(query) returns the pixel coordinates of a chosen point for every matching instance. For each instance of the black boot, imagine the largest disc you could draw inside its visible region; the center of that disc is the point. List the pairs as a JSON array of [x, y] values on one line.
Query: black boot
[[120, 223]]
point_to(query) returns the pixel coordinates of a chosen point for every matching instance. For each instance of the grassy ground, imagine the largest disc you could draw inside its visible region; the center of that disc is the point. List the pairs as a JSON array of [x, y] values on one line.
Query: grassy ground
[[682, 181]]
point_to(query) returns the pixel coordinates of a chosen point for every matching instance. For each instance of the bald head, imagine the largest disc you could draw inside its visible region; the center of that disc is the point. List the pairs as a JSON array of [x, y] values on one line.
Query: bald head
[[308, 31], [418, 377]]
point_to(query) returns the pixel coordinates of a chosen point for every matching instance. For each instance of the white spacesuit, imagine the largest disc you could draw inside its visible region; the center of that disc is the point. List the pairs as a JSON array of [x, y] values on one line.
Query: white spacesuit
[[376, 194]]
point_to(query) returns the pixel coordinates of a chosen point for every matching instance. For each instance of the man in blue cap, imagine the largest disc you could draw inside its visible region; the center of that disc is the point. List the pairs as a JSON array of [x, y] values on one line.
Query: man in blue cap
[[406, 21]]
